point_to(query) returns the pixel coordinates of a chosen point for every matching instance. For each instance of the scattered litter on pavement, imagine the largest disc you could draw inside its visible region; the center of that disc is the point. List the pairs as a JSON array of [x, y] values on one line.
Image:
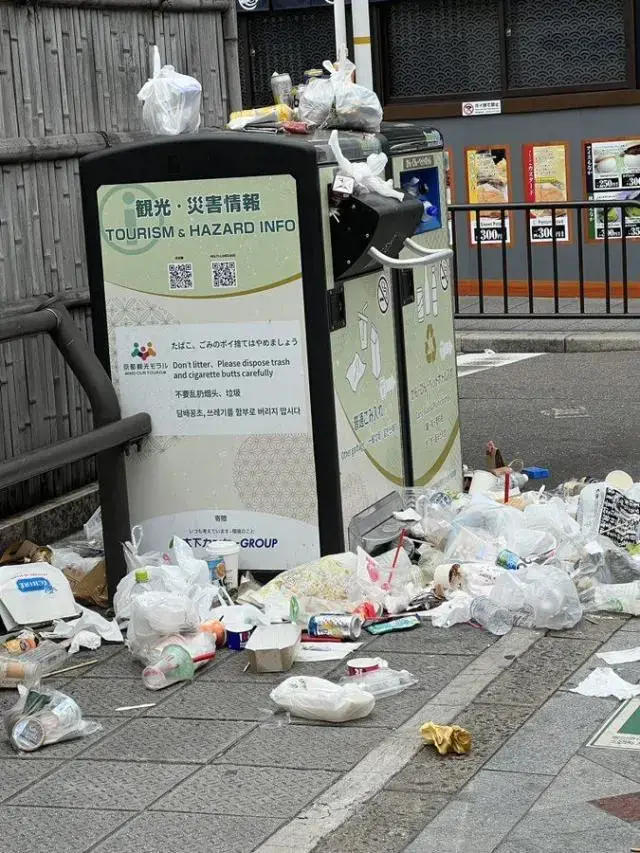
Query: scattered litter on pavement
[[621, 656], [314, 652], [446, 738], [382, 682], [42, 716], [71, 668], [136, 707], [603, 682]]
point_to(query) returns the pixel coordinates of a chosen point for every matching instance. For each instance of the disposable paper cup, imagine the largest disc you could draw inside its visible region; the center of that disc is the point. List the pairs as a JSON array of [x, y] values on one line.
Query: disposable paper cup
[[222, 558], [483, 481], [358, 666]]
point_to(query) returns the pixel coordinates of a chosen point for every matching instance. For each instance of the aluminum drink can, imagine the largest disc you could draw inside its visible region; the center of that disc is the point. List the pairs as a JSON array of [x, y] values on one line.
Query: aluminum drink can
[[510, 561], [342, 626]]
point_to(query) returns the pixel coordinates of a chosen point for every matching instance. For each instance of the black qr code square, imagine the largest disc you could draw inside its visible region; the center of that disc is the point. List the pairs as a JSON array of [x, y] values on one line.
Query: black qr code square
[[223, 274], [181, 276]]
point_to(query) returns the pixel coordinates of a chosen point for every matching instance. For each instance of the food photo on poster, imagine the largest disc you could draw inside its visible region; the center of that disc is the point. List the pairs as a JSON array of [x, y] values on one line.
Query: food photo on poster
[[612, 171], [545, 174], [488, 182]]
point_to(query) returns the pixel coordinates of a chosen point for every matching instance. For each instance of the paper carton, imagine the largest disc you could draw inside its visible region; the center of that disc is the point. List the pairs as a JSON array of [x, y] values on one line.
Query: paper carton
[[273, 648]]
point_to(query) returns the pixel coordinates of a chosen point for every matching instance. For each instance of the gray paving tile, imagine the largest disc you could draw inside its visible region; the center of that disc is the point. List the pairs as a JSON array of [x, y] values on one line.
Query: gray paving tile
[[574, 828], [252, 791], [490, 727], [482, 814], [35, 830], [233, 669], [85, 656], [552, 735], [458, 640], [539, 672], [579, 781], [622, 761], [100, 697], [326, 748], [632, 625], [367, 831], [182, 833], [168, 739], [16, 775], [65, 749], [208, 700], [628, 671], [596, 626], [103, 785], [120, 665]]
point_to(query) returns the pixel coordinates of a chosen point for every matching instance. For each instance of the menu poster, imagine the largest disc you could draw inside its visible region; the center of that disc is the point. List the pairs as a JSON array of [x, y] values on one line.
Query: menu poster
[[545, 174], [488, 180], [612, 173]]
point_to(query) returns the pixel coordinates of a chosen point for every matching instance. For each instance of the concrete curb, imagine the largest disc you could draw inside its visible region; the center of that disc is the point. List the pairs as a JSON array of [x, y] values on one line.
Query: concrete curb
[[554, 342]]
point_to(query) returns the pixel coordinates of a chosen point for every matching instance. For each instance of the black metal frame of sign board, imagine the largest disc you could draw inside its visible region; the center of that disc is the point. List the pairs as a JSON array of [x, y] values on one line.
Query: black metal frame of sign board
[[228, 155]]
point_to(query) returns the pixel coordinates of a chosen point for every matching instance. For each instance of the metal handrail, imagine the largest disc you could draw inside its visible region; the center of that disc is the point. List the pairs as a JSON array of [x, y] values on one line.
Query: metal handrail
[[112, 433]]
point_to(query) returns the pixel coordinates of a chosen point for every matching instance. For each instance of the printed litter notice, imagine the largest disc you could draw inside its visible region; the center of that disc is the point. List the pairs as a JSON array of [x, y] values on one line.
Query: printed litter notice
[[214, 378]]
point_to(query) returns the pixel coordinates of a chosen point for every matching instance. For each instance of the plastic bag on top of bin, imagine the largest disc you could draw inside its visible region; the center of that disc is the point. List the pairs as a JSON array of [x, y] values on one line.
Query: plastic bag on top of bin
[[171, 101]]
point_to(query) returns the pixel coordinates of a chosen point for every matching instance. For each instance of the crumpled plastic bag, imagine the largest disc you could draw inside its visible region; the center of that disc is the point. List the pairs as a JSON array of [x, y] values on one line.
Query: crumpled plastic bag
[[132, 556], [89, 623], [42, 716], [337, 102], [318, 699], [446, 738], [155, 615], [455, 611], [542, 596], [367, 175], [171, 101]]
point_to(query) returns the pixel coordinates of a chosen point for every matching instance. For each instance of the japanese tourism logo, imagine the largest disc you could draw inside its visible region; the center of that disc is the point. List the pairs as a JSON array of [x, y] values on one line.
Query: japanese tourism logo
[[144, 352], [133, 219]]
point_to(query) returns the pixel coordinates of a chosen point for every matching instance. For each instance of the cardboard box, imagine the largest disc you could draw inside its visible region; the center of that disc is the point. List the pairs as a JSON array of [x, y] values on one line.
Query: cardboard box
[[273, 648]]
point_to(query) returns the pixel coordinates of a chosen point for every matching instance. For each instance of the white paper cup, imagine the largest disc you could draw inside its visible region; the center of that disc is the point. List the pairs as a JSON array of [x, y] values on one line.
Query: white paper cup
[[223, 557], [483, 481]]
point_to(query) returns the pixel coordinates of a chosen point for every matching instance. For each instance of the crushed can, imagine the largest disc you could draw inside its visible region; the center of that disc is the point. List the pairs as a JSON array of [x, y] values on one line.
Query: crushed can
[[341, 626], [509, 560]]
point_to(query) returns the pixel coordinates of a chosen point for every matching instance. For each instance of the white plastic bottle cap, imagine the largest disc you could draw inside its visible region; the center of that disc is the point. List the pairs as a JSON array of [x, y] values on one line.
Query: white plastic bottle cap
[[619, 480]]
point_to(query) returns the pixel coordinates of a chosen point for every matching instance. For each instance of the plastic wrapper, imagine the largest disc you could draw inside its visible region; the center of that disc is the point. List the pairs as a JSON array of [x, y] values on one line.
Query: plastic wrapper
[[171, 101], [614, 598], [156, 615], [381, 683], [539, 597], [337, 102], [436, 518], [318, 699], [599, 560], [93, 529], [42, 716], [367, 176], [454, 611], [609, 512], [446, 738], [326, 579]]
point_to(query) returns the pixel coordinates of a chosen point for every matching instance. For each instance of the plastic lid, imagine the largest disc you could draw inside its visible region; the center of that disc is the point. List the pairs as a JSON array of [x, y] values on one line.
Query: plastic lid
[[142, 576]]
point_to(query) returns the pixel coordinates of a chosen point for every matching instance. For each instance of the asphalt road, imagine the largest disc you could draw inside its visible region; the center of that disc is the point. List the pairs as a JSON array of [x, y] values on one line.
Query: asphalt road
[[576, 414]]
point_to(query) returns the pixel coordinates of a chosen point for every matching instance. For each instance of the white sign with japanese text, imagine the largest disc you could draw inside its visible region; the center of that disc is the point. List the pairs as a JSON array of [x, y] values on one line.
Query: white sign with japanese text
[[481, 108], [214, 378]]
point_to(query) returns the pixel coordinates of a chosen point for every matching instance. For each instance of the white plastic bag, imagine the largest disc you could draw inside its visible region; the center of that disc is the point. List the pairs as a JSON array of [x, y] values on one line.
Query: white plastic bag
[[455, 611], [367, 175], [171, 101], [133, 558], [336, 101], [155, 615], [318, 699], [42, 716]]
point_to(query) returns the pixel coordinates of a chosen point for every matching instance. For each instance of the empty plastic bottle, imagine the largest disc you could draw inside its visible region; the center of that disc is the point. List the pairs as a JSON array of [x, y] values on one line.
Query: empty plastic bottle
[[492, 616]]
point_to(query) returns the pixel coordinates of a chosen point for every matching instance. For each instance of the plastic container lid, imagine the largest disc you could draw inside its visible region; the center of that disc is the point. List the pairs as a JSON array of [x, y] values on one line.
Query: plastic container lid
[[28, 734], [222, 548], [142, 576]]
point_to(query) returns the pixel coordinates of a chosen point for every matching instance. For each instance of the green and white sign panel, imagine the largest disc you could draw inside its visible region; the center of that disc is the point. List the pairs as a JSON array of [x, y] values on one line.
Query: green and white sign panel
[[205, 315]]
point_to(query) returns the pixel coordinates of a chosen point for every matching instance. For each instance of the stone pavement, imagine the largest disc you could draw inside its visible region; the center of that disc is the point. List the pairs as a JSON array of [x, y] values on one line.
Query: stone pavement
[[567, 332], [210, 767]]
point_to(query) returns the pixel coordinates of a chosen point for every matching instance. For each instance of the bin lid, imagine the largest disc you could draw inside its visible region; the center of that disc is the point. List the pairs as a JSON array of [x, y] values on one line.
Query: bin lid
[[405, 137], [354, 146]]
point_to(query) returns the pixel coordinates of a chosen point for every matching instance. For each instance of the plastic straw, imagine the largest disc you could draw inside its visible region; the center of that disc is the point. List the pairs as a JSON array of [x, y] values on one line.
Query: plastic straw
[[507, 484]]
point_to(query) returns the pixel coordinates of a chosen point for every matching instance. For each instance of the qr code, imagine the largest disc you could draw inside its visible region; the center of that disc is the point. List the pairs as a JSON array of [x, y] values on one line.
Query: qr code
[[223, 274], [181, 276]]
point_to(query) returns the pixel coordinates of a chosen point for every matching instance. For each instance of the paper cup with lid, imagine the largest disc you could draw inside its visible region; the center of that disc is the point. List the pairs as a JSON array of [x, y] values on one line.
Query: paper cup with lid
[[223, 558]]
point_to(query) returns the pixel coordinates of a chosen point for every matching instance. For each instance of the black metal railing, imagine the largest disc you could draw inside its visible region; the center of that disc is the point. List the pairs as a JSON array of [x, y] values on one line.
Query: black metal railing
[[111, 435], [547, 260]]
